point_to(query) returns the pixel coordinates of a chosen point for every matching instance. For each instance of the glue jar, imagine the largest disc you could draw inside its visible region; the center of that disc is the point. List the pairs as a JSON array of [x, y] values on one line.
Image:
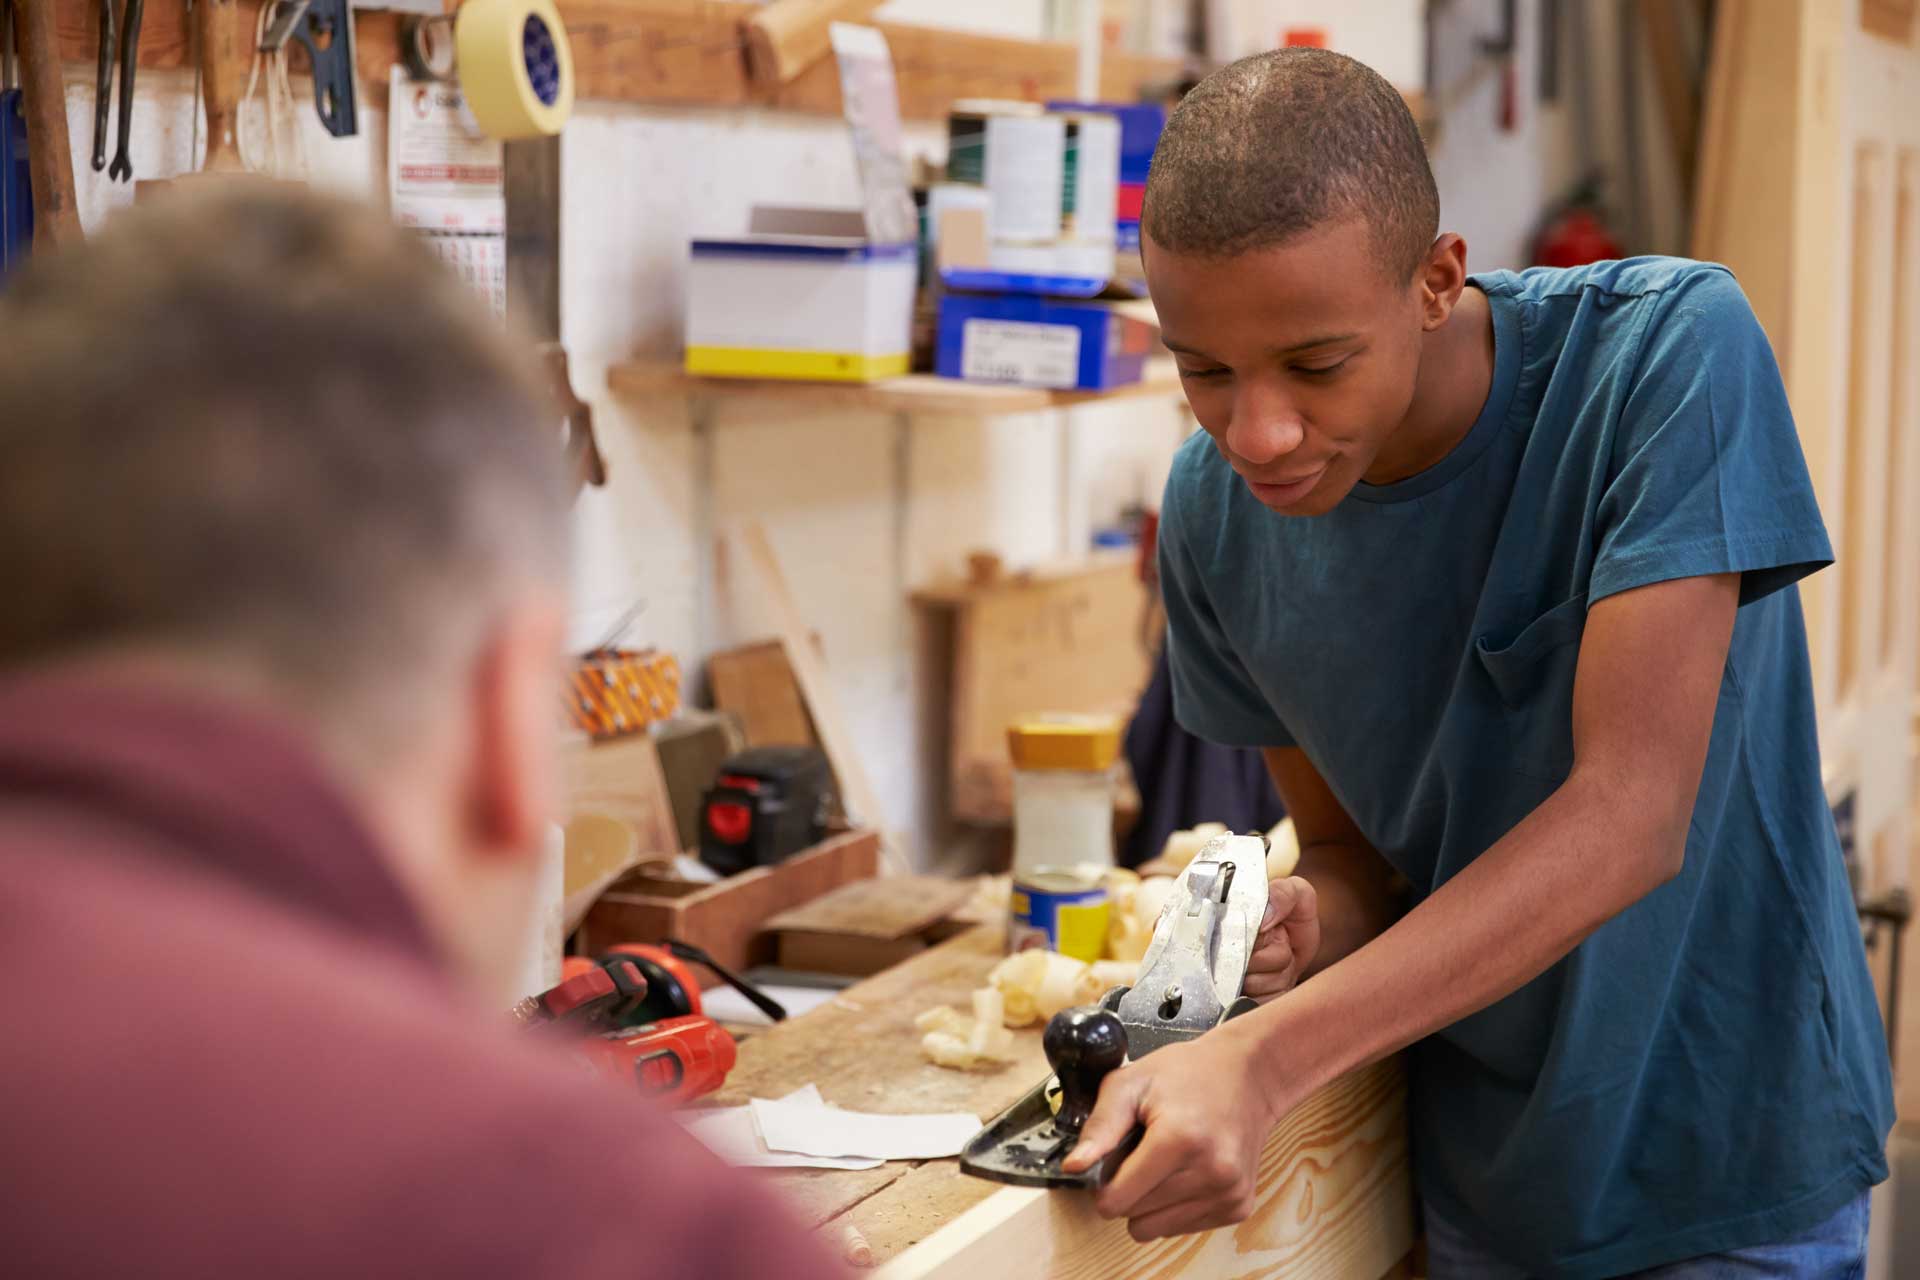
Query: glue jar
[[1063, 787]]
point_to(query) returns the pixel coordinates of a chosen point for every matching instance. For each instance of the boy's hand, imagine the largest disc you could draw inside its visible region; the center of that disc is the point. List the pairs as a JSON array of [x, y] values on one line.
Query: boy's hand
[[1207, 1116], [1288, 941]]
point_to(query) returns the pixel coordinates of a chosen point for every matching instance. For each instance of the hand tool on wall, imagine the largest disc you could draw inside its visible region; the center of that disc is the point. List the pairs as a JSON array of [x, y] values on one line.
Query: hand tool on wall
[[56, 218], [1190, 982], [121, 170], [103, 87], [223, 62], [16, 182], [325, 29]]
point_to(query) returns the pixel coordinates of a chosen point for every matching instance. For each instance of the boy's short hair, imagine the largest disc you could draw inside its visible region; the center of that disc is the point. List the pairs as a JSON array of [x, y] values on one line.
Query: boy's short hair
[[1281, 142], [261, 426]]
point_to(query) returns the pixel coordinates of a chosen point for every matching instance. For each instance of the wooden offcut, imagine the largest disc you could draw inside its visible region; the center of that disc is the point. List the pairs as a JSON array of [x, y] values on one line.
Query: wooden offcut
[[756, 683], [621, 779], [867, 926], [1064, 640], [788, 36], [725, 918]]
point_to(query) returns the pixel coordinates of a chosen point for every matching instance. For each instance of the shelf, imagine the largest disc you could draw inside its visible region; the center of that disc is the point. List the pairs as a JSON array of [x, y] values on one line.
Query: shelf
[[914, 393], [686, 53]]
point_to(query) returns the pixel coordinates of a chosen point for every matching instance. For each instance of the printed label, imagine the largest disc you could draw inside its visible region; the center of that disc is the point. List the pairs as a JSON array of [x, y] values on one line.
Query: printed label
[[1019, 351]]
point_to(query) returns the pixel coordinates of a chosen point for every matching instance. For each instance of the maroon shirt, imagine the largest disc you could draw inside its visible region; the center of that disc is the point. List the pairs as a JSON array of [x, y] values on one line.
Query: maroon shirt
[[229, 1048]]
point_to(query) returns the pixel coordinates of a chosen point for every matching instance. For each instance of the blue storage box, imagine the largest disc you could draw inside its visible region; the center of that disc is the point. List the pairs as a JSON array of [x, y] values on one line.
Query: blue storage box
[[1040, 342]]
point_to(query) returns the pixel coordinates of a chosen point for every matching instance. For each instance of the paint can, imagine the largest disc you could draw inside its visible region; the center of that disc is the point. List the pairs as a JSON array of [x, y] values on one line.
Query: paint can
[[1060, 909]]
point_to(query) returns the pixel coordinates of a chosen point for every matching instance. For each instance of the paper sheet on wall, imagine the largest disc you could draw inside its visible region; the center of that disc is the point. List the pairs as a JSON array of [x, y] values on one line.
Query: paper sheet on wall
[[446, 182]]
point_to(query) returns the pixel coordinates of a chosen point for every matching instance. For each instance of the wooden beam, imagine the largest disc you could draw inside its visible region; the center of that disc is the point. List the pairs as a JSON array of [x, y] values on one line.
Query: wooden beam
[[1334, 1200], [856, 789], [687, 53]]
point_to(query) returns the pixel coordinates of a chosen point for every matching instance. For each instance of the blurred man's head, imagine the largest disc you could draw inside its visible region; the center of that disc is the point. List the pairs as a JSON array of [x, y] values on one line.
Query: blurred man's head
[[256, 442], [1290, 232]]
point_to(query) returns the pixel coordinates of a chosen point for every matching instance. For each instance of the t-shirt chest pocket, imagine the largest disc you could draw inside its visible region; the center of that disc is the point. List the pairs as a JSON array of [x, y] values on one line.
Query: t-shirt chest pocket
[[1531, 672]]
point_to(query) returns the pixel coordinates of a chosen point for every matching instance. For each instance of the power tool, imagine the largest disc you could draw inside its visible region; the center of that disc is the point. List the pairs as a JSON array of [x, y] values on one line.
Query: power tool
[[1190, 982], [671, 1060]]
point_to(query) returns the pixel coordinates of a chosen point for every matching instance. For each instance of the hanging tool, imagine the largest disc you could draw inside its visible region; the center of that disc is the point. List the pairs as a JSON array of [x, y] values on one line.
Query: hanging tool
[[56, 218], [103, 87], [1190, 981], [121, 170], [325, 29], [16, 181], [672, 1060], [223, 59]]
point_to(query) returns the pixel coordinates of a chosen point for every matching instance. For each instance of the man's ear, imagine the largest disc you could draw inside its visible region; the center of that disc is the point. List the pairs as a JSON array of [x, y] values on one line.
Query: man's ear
[[1441, 278], [516, 730]]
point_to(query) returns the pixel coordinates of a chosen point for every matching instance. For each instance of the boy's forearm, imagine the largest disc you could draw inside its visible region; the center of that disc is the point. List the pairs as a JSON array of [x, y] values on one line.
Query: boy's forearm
[[1568, 868]]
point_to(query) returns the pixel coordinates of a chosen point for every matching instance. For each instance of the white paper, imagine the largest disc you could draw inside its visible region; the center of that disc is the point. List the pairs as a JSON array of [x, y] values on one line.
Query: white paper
[[443, 172], [809, 1129], [1032, 355], [724, 1004], [446, 180], [730, 1134]]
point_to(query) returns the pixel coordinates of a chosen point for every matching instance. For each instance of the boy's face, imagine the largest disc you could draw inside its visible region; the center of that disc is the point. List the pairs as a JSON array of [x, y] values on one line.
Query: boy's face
[[1299, 360]]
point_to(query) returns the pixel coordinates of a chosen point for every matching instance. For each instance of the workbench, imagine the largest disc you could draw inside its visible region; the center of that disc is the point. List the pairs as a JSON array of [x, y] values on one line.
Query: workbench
[[1335, 1192]]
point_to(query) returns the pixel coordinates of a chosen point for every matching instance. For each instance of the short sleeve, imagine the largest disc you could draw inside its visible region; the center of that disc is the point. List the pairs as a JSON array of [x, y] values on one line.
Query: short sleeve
[[1707, 475], [1213, 695]]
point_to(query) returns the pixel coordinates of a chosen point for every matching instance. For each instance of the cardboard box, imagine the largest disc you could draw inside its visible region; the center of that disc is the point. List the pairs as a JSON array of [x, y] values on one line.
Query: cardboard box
[[804, 295], [1040, 342]]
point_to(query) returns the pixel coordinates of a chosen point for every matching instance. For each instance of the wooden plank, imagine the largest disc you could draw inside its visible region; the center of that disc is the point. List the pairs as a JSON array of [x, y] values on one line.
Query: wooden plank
[[756, 682], [863, 1050], [1663, 22], [1067, 642], [913, 393], [1747, 169], [1333, 1201], [691, 53], [887, 908], [856, 790], [621, 778]]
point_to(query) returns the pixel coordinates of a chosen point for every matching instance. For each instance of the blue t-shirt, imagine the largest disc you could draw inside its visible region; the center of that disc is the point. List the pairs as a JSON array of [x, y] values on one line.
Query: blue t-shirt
[[1707, 1070]]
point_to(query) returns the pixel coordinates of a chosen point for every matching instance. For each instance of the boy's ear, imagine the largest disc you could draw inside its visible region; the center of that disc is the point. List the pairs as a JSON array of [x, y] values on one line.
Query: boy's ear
[[1441, 278]]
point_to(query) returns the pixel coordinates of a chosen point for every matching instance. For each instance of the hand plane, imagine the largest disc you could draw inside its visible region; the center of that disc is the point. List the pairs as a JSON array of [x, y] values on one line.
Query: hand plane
[[1189, 983]]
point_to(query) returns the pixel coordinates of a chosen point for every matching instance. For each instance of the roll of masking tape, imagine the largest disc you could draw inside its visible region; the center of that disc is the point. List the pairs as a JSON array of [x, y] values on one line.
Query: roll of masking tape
[[516, 68]]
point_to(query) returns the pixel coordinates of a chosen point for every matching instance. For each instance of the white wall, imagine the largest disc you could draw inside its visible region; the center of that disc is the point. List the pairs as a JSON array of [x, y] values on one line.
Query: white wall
[[859, 507]]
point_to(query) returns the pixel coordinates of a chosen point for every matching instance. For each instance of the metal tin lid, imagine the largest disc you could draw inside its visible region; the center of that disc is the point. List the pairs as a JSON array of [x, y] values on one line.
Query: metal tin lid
[[1083, 743]]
